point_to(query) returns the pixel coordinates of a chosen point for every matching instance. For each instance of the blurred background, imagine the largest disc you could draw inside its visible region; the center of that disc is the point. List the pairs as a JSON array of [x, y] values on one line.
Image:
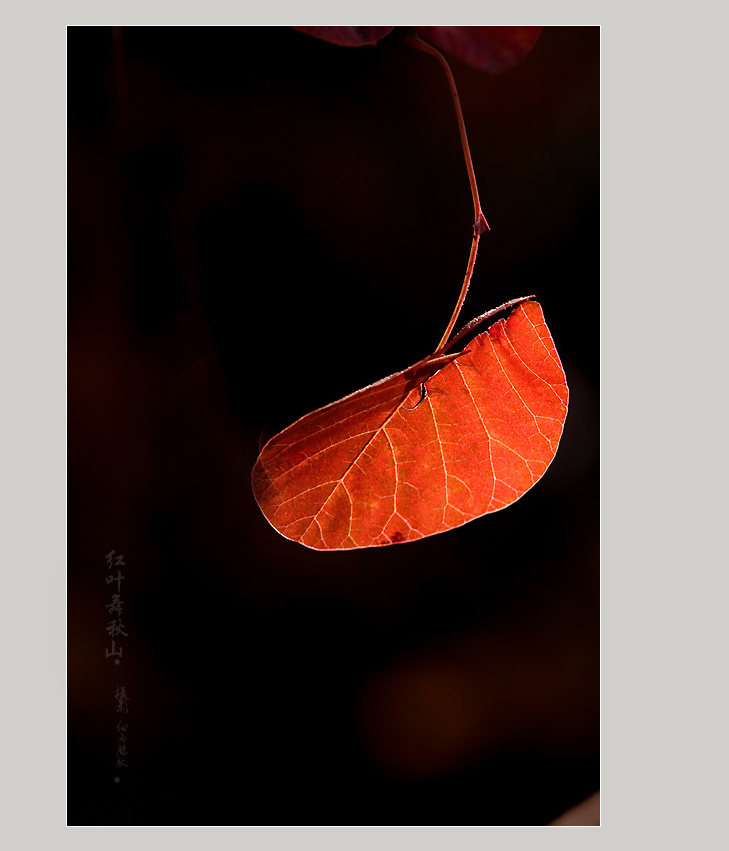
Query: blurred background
[[258, 224]]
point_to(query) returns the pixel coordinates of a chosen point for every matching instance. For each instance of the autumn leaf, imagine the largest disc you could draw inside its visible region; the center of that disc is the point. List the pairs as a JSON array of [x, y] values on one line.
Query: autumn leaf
[[390, 464], [451, 438], [491, 49], [347, 36]]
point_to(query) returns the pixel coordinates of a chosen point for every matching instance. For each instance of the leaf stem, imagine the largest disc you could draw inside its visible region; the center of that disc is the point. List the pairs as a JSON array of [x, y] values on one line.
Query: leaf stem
[[480, 224]]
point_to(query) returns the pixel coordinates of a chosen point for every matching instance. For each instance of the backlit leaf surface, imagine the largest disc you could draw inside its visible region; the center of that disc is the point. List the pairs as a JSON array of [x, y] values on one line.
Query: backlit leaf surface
[[378, 468]]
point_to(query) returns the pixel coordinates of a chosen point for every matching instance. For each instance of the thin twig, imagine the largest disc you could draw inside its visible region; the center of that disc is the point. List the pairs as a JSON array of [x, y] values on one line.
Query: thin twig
[[480, 224]]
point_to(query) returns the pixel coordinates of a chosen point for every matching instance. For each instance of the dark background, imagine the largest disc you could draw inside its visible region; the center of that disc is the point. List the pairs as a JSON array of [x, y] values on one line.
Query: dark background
[[260, 223]]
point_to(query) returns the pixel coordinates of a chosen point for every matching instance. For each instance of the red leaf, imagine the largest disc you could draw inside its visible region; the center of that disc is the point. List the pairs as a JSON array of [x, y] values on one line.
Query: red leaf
[[489, 49], [347, 36], [366, 471]]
